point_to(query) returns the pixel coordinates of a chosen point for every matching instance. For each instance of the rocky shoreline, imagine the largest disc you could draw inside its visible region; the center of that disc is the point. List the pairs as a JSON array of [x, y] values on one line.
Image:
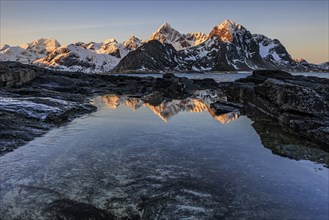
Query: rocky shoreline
[[35, 100], [298, 103]]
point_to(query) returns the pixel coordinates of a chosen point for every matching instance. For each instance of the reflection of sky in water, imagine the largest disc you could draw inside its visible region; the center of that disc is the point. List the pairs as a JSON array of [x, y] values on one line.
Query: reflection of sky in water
[[191, 166]]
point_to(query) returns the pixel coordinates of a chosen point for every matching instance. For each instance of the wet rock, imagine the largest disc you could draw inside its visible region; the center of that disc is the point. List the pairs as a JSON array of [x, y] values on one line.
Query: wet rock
[[280, 141], [223, 108], [174, 87], [67, 209], [169, 76], [206, 83], [296, 101]]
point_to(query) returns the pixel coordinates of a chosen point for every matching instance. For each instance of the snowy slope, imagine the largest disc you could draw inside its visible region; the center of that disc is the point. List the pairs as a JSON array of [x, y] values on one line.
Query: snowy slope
[[30, 52], [42, 46], [325, 65], [273, 51], [196, 38], [77, 58], [89, 57], [112, 47]]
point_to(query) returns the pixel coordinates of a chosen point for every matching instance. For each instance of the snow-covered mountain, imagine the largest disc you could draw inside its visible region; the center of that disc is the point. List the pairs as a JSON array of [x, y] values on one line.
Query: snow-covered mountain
[[167, 34], [77, 58], [228, 46], [29, 52], [274, 52], [324, 65], [310, 66], [196, 38], [132, 43], [42, 45]]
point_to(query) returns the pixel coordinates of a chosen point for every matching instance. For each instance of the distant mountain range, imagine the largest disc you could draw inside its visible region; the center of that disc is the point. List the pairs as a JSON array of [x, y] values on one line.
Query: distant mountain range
[[228, 47]]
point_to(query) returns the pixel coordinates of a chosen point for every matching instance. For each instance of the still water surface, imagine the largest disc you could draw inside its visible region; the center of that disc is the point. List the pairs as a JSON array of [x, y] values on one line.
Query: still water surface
[[178, 161]]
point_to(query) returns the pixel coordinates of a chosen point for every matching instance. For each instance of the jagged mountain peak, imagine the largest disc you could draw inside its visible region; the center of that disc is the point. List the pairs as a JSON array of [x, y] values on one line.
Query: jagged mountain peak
[[132, 37], [110, 41], [42, 45], [165, 25], [166, 34], [132, 43], [300, 60], [229, 24], [225, 30], [44, 41], [165, 28]]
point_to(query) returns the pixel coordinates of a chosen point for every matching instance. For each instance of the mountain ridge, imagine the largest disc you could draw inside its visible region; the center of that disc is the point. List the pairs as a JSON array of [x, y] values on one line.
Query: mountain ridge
[[229, 46]]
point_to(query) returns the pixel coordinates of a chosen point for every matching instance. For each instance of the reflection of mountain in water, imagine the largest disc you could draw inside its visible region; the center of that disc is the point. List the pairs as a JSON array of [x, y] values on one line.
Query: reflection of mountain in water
[[273, 136], [167, 109]]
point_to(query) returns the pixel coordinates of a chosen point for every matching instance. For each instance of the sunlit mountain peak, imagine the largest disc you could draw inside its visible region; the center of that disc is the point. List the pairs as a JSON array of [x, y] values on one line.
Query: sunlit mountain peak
[[225, 30], [42, 45], [164, 25], [110, 41], [132, 43]]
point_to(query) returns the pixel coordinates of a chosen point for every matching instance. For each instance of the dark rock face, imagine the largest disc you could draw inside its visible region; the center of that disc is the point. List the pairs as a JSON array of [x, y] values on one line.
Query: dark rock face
[[298, 102], [18, 77], [208, 56], [152, 56], [275, 53]]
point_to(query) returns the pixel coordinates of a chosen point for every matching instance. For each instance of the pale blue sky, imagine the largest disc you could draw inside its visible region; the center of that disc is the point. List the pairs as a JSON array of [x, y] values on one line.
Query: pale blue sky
[[302, 26]]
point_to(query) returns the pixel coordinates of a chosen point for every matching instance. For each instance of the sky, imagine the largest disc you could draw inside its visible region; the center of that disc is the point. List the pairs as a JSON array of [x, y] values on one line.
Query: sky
[[301, 26]]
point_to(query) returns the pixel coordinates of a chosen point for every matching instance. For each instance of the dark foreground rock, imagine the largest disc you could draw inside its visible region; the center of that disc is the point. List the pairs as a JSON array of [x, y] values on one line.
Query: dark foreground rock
[[15, 77], [299, 102]]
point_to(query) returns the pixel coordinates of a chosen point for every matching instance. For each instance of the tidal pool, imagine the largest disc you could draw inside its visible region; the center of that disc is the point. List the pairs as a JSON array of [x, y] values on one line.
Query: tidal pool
[[177, 160]]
